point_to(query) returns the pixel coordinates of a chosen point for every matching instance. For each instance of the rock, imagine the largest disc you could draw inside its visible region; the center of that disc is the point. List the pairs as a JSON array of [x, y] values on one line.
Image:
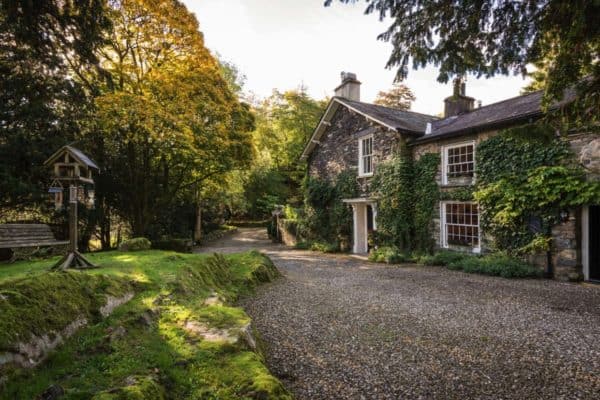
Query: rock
[[589, 156], [211, 334], [51, 393], [214, 299], [113, 302], [248, 337]]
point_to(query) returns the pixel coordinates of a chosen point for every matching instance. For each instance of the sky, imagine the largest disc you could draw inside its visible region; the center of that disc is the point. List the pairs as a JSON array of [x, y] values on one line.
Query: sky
[[283, 44]]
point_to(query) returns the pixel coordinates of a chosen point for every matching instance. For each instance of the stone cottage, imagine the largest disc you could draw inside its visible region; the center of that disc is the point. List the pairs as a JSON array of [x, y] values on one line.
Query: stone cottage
[[357, 136]]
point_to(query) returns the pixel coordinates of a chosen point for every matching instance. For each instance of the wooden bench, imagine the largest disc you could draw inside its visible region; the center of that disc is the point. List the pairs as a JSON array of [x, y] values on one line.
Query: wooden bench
[[26, 236]]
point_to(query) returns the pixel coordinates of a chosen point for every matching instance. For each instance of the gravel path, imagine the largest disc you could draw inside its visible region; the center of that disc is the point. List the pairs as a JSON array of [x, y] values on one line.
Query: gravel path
[[336, 327]]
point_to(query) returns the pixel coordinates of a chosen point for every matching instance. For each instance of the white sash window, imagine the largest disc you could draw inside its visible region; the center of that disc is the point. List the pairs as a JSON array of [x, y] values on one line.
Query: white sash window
[[365, 156]]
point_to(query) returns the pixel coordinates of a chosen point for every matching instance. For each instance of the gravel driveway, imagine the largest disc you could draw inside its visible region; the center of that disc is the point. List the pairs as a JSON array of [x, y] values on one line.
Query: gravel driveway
[[340, 328]]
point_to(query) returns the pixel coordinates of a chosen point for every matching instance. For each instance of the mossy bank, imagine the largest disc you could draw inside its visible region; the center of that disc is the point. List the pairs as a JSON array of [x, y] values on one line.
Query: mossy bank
[[178, 337]]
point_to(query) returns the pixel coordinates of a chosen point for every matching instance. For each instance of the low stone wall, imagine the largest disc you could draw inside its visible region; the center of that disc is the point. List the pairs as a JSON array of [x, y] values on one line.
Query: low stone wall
[[36, 349], [288, 231]]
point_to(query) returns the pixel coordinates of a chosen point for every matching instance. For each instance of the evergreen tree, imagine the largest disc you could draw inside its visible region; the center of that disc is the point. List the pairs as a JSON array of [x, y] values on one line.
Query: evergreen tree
[[488, 37]]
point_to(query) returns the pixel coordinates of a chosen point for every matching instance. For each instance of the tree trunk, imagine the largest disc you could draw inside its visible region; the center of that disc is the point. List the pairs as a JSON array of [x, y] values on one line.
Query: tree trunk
[[198, 224]]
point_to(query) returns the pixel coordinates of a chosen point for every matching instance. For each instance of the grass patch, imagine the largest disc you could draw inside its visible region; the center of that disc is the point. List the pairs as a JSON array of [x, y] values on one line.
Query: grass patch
[[143, 350]]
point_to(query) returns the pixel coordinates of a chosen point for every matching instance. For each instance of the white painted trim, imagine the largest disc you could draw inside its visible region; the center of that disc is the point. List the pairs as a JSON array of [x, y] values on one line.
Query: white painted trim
[[443, 235], [374, 208], [368, 200], [585, 241], [366, 248], [361, 174], [355, 229], [445, 149]]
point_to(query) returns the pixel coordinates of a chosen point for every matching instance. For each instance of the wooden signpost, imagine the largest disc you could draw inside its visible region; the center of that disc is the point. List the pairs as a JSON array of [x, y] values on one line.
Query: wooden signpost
[[72, 169]]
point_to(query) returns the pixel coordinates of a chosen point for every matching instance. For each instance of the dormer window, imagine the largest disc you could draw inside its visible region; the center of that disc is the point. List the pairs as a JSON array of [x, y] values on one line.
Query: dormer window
[[365, 156], [458, 163]]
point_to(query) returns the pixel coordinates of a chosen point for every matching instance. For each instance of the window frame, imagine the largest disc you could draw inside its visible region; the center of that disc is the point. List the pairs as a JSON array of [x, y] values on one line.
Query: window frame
[[445, 150], [361, 156], [443, 232]]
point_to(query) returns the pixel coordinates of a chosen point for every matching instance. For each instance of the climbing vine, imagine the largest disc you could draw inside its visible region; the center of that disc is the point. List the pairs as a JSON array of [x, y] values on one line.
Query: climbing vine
[[325, 217], [524, 180], [407, 193], [427, 195], [393, 184]]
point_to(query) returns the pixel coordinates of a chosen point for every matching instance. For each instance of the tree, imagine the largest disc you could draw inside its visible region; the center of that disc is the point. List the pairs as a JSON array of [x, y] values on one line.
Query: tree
[[41, 105], [166, 120], [284, 123], [399, 96], [487, 37]]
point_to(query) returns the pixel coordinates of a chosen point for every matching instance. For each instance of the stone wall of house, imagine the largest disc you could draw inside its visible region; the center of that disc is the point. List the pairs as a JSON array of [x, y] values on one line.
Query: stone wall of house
[[566, 236], [338, 148], [420, 149]]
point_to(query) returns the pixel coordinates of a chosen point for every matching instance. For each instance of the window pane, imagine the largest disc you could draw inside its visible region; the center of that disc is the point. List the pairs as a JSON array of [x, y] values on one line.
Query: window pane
[[461, 224], [460, 161]]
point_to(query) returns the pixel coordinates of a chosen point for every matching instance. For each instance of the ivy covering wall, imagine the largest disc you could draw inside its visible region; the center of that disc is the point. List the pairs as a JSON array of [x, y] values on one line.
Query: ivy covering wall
[[407, 193], [326, 218], [525, 178]]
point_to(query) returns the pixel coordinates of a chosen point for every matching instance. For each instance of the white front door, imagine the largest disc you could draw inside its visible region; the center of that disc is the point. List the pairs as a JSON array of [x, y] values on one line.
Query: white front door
[[360, 228], [365, 215]]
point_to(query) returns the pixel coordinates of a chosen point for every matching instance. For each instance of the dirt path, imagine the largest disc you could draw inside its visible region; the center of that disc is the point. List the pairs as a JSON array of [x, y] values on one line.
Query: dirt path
[[242, 240], [341, 328]]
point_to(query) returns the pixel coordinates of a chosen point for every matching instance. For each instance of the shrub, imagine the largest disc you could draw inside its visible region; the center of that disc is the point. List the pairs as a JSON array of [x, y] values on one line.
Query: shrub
[[173, 244], [498, 265], [316, 245], [442, 258], [388, 254], [303, 245], [135, 244], [324, 247]]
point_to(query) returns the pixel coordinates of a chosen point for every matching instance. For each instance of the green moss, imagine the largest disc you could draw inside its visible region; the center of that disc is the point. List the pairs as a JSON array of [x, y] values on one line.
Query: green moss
[[157, 350], [51, 301], [143, 388], [222, 316]]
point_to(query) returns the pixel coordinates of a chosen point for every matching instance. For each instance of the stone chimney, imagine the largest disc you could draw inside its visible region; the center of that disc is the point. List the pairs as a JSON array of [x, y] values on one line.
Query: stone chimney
[[349, 88], [458, 103]]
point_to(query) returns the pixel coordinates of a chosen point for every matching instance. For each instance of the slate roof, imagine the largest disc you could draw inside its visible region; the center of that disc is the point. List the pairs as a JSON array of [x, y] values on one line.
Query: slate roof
[[507, 112], [519, 108], [406, 121]]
